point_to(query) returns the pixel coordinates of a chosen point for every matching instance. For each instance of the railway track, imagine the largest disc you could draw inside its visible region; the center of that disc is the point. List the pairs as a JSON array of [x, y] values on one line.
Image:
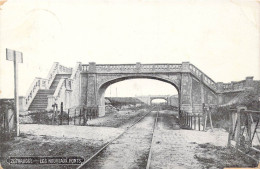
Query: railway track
[[85, 163]]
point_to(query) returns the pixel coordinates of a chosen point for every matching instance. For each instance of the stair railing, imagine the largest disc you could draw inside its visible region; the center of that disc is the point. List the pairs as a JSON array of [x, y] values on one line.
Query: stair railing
[[202, 76], [77, 69], [38, 83], [57, 69], [52, 73], [63, 85]]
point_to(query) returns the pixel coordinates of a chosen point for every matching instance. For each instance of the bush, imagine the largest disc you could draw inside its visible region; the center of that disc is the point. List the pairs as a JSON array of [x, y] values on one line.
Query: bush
[[220, 116], [43, 117]]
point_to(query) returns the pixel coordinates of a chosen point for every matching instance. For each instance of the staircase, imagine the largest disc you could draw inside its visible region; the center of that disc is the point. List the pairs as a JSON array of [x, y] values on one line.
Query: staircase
[[40, 101]]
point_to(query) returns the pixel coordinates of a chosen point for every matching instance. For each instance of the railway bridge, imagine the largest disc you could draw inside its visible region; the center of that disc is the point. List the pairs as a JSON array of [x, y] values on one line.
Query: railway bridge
[[85, 85], [149, 98]]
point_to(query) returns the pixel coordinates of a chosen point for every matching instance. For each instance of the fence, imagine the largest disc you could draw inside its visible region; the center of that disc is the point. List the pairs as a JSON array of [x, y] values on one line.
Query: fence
[[80, 116], [243, 132], [7, 122], [191, 121], [197, 121]]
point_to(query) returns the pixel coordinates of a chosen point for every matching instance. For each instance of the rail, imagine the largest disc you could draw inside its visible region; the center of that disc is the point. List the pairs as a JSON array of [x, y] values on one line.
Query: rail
[[110, 142], [244, 132], [152, 142]]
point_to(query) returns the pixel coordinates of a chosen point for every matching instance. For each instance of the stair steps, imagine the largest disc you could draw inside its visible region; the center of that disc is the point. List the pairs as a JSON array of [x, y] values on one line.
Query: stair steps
[[40, 101]]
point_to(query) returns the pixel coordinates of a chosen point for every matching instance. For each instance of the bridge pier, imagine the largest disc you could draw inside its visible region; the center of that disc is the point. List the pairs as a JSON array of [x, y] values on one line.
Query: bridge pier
[[186, 88]]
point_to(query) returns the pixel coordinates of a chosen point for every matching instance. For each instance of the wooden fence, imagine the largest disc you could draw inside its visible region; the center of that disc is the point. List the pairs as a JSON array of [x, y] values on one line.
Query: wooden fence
[[244, 132], [197, 121], [191, 121], [80, 116], [7, 122]]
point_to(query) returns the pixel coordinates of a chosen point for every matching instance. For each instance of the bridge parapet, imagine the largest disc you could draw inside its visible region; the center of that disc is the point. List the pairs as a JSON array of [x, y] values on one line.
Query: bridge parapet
[[236, 86], [203, 77], [131, 68]]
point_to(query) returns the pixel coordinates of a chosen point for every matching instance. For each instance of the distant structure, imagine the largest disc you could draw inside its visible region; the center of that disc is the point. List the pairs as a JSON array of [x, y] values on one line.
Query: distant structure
[[170, 100]]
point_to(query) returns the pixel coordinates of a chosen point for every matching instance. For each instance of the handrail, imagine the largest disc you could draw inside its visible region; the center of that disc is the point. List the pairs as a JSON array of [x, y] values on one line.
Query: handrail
[[206, 79], [59, 87], [75, 71], [57, 69], [52, 73], [38, 83], [64, 82]]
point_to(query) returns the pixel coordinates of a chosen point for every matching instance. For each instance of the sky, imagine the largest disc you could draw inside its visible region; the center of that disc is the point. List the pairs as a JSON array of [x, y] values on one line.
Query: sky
[[219, 37]]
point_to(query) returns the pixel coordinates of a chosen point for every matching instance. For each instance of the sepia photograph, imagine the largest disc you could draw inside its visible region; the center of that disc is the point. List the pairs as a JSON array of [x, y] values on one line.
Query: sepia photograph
[[129, 84]]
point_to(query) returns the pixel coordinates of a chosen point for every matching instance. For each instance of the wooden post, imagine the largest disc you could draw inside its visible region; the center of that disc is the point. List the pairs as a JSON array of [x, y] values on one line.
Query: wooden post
[[61, 112], [199, 122], [195, 121], [16, 57], [84, 116], [238, 128], [186, 119], [205, 120], [79, 116], [16, 98], [68, 116], [4, 119], [75, 115], [210, 119], [191, 121], [230, 129], [249, 129]]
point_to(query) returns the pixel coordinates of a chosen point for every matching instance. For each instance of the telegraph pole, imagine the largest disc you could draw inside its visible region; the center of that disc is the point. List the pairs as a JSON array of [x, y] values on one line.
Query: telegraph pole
[[16, 57]]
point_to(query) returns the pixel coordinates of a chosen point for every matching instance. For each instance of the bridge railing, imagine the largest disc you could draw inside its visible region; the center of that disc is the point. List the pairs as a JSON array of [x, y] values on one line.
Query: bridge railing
[[202, 76], [234, 86], [244, 132], [104, 68]]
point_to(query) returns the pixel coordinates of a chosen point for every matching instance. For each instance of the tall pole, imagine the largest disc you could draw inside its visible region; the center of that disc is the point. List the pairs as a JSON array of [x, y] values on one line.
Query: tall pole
[[16, 57], [16, 98]]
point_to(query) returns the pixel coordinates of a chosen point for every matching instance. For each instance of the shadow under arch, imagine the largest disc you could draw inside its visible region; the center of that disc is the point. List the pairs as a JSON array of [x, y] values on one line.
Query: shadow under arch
[[102, 88]]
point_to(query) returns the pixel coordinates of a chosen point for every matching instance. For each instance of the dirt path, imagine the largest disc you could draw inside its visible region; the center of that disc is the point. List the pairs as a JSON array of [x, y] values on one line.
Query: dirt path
[[170, 149], [129, 151], [173, 148], [120, 119]]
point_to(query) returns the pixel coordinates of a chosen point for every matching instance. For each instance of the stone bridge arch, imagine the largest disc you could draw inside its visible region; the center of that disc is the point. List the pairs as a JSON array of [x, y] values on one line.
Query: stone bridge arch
[[194, 87], [104, 81], [162, 98]]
